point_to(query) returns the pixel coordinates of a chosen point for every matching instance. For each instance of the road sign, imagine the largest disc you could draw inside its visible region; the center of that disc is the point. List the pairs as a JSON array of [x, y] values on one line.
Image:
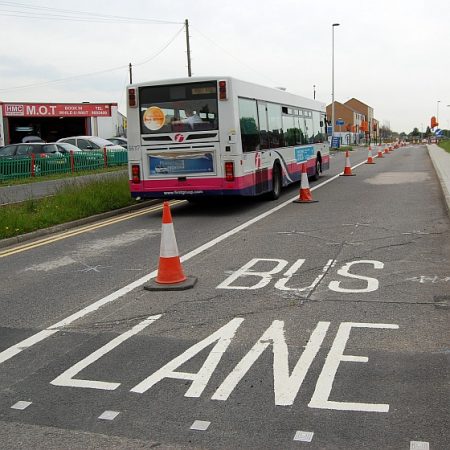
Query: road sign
[[335, 142], [340, 122]]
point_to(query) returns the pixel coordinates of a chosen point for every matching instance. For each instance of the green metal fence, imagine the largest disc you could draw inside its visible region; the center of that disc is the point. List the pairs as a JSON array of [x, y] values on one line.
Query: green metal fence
[[37, 165]]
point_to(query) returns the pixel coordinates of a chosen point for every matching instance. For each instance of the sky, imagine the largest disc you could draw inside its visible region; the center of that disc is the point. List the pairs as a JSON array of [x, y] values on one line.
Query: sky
[[392, 55]]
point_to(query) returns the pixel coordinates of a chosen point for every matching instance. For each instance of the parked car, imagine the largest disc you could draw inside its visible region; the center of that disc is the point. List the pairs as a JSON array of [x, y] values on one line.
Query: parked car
[[119, 140], [82, 157], [28, 139], [24, 150], [21, 154], [91, 143]]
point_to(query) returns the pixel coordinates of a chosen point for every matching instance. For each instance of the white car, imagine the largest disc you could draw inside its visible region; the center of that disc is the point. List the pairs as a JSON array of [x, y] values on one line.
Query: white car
[[92, 143], [119, 140]]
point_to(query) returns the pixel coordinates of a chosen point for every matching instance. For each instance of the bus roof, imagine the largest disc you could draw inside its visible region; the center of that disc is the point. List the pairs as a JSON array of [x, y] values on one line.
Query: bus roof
[[246, 89]]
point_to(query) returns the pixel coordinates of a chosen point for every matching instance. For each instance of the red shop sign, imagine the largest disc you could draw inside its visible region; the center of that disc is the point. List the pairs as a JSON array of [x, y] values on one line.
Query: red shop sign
[[56, 110]]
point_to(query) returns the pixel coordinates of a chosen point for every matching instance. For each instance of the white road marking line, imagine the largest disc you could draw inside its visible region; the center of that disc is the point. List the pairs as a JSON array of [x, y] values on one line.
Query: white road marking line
[[200, 425], [109, 415], [304, 436], [67, 378], [38, 337], [419, 445], [21, 405]]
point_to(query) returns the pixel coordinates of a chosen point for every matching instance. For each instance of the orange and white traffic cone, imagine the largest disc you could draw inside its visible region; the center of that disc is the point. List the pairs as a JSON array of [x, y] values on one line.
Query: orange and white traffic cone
[[348, 168], [170, 272], [386, 150], [380, 153], [305, 193], [369, 157]]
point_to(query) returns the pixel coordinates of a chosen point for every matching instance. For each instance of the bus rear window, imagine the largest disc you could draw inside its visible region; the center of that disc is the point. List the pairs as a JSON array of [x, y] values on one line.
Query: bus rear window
[[178, 108]]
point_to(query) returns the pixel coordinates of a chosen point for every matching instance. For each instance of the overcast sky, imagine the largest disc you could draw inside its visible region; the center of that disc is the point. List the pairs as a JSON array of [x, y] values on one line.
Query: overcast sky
[[393, 55]]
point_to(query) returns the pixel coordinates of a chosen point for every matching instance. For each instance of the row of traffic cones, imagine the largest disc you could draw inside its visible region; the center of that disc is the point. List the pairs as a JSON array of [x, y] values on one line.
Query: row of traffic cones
[[305, 192]]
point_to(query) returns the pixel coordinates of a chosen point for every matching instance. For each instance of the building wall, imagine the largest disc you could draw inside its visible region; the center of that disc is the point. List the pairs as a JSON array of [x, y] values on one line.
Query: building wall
[[341, 112]]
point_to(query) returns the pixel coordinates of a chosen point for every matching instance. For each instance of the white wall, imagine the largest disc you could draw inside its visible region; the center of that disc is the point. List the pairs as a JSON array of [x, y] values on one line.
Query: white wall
[[2, 131], [107, 127]]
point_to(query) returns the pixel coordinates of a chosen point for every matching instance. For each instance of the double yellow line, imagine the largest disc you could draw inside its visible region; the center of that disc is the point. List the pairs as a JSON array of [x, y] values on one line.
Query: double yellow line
[[84, 229]]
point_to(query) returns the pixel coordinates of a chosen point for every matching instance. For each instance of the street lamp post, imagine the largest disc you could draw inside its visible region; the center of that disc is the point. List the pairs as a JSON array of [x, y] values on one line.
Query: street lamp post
[[332, 81], [437, 112], [314, 91]]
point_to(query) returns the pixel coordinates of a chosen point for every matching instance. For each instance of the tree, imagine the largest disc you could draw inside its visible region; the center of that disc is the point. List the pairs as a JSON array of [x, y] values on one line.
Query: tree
[[415, 132], [428, 132]]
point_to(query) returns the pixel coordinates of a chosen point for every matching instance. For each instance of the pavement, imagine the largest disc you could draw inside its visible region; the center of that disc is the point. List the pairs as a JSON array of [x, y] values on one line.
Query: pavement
[[441, 163]]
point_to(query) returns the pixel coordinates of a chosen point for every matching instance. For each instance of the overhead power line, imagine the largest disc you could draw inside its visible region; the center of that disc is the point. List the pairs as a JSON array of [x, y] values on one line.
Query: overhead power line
[[234, 57], [29, 11], [113, 69]]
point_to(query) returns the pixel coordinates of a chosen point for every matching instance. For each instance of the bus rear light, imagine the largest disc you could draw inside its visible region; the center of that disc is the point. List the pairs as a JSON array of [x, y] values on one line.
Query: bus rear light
[[222, 90], [132, 103], [135, 173], [229, 171]]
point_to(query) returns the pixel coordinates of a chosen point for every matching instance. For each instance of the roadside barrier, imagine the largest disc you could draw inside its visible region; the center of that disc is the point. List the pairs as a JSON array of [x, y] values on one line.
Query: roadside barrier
[[348, 167], [305, 193], [369, 157], [49, 164], [170, 276]]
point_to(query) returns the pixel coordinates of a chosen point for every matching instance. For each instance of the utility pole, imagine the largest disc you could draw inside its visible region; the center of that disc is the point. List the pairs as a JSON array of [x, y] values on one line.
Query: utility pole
[[332, 82], [314, 91], [130, 69], [188, 47]]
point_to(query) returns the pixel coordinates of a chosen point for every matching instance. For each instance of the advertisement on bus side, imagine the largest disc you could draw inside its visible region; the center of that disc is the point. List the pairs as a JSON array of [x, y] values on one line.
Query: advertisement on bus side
[[303, 153]]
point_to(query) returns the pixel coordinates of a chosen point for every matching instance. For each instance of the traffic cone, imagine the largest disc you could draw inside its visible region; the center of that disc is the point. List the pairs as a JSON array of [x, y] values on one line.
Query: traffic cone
[[170, 272], [305, 194], [348, 167], [386, 150], [369, 158], [380, 153]]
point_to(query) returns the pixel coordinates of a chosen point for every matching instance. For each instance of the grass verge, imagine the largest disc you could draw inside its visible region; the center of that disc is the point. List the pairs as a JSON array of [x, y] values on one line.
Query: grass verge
[[72, 202], [344, 148], [445, 145]]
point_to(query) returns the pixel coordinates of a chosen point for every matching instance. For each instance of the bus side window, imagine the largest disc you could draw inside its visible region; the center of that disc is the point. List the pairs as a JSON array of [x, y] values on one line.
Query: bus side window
[[276, 138], [248, 120], [263, 126]]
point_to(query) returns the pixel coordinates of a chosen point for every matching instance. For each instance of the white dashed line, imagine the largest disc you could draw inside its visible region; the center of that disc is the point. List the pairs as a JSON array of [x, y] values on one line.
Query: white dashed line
[[419, 445], [200, 425], [304, 436], [21, 405], [109, 415]]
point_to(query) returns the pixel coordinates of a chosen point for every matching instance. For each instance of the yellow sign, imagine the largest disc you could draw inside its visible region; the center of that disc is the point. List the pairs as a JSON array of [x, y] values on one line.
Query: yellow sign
[[154, 118]]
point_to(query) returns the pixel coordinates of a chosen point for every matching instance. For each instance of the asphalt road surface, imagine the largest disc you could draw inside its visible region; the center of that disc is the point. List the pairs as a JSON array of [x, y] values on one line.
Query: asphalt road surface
[[320, 326]]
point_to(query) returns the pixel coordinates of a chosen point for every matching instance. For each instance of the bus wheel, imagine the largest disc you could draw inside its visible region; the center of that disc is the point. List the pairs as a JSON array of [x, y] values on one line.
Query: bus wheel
[[276, 183], [316, 175]]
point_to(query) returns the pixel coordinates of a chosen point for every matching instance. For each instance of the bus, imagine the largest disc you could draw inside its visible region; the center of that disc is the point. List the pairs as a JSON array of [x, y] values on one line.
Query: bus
[[220, 136]]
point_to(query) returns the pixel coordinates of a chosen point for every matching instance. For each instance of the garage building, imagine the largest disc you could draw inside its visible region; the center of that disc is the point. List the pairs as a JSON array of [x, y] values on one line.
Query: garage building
[[53, 121]]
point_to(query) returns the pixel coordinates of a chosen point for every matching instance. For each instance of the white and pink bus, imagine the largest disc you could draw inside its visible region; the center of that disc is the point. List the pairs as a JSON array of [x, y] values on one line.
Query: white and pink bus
[[219, 136]]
